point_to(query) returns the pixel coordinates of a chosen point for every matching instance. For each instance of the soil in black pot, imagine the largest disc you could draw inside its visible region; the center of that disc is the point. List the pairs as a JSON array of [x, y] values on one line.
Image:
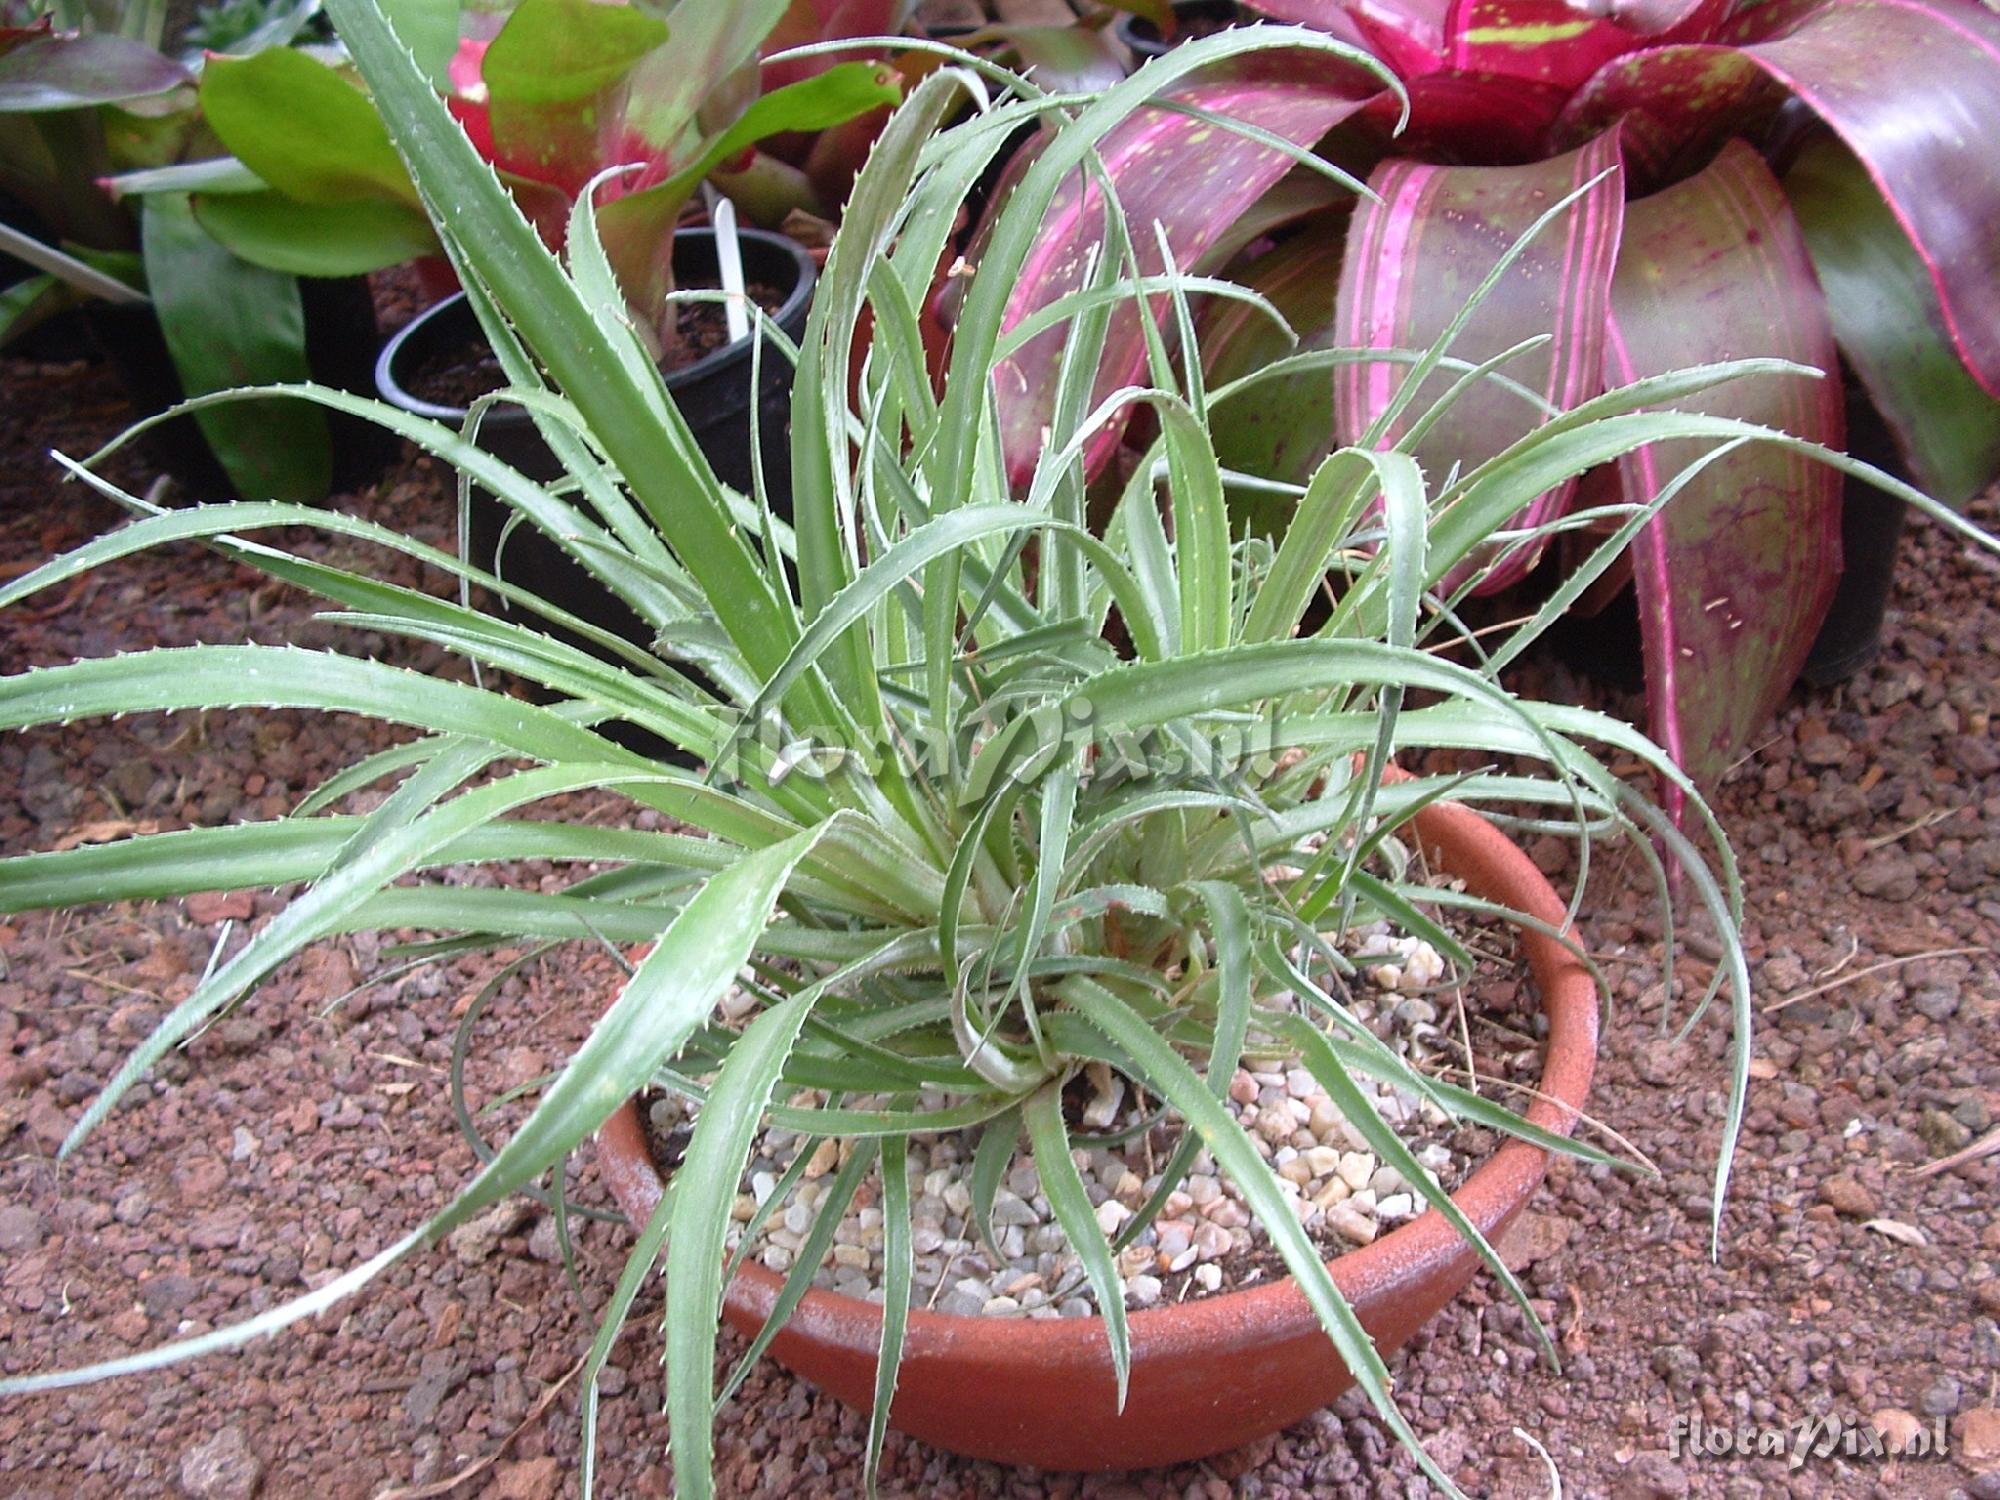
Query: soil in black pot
[[461, 375]]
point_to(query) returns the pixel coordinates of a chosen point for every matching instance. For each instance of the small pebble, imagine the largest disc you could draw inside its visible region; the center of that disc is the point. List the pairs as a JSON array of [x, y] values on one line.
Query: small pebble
[[1356, 1169]]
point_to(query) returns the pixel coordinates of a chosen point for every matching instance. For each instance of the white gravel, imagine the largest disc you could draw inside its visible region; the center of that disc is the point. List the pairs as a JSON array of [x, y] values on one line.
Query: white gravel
[[1204, 1238]]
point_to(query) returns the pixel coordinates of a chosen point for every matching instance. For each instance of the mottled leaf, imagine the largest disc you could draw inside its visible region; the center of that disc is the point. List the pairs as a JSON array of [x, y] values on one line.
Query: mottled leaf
[[1735, 574], [1543, 41]]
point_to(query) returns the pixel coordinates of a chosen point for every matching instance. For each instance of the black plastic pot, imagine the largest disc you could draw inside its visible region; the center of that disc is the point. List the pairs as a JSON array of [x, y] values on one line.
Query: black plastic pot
[[714, 395], [1871, 529], [1145, 41], [62, 338], [340, 352]]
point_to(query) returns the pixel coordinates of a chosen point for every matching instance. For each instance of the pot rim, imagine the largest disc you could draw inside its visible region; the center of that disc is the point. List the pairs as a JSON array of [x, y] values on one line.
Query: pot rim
[[1492, 865], [712, 363]]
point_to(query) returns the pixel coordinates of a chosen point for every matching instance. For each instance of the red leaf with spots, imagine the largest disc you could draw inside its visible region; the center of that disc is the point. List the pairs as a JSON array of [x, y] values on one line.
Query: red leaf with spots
[[1735, 575], [1912, 87]]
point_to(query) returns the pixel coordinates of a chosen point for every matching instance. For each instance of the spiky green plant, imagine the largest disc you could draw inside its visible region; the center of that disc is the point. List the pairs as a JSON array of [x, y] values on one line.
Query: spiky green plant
[[946, 728]]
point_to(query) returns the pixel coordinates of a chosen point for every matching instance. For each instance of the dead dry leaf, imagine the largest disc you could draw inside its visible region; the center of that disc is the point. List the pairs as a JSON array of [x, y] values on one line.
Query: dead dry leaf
[[1901, 1233]]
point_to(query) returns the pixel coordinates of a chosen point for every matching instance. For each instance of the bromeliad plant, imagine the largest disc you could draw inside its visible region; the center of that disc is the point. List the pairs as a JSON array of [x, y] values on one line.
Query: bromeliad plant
[[1794, 180], [968, 815]]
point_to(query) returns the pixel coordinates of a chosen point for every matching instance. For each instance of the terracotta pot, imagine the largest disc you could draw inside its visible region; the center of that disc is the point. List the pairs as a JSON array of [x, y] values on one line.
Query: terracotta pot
[[1211, 1374]]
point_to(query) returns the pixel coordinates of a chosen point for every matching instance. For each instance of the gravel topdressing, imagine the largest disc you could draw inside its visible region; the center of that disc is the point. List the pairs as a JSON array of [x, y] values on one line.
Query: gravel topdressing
[[1205, 1240]]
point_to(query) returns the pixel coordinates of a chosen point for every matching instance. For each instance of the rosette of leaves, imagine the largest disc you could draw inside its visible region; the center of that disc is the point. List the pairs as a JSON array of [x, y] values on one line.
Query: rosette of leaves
[[995, 789], [1794, 180]]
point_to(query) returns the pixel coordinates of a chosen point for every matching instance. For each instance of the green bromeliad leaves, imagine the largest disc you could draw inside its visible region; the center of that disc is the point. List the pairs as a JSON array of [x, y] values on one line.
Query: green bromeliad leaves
[[547, 75], [302, 128], [229, 324], [1735, 574], [316, 239], [338, 201], [638, 227], [1414, 259], [1885, 313]]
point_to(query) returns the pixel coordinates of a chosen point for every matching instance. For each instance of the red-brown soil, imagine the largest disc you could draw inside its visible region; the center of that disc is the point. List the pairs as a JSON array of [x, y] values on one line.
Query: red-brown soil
[[294, 1138]]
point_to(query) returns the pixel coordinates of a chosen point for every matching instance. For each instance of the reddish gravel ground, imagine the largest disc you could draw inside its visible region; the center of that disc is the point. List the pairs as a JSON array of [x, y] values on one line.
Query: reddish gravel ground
[[300, 1135]]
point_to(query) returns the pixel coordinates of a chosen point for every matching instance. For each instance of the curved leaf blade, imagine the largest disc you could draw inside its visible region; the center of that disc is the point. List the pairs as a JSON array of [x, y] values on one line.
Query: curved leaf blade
[[1885, 313], [1911, 86]]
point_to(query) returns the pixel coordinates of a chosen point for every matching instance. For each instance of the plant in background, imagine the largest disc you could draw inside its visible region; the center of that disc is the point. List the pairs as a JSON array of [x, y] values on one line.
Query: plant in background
[[80, 105], [965, 816], [569, 95], [241, 26], [1800, 181]]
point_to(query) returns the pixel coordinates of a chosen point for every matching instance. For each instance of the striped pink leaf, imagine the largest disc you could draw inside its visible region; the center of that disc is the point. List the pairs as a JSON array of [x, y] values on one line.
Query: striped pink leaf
[[1186, 174], [1415, 258], [1415, 24]]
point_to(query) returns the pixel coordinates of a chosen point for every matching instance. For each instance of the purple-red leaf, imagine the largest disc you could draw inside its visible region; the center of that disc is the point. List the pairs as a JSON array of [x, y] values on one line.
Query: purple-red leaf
[[1542, 41], [1471, 117], [75, 72], [1911, 86], [1409, 35], [808, 21], [1674, 103], [1191, 176], [1414, 260], [1735, 575], [1331, 16]]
